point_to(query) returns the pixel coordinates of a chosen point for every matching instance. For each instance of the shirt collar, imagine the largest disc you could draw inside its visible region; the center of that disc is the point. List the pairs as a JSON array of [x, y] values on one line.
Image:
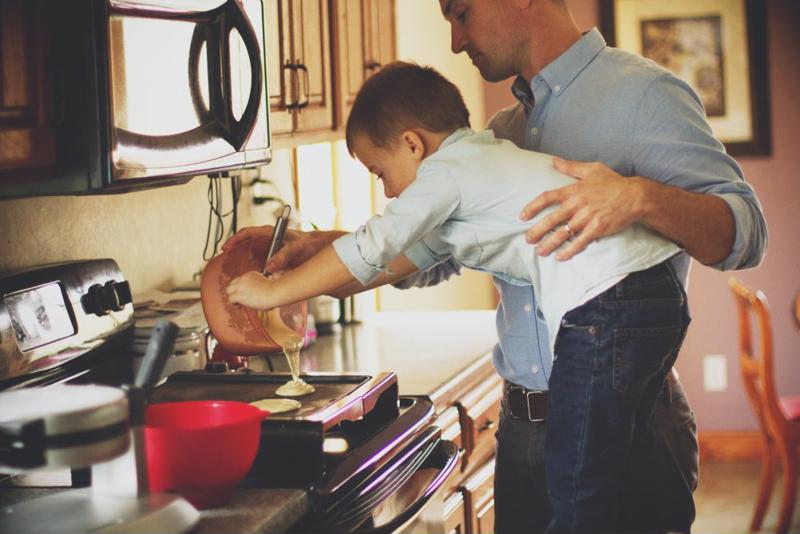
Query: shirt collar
[[565, 68], [455, 136]]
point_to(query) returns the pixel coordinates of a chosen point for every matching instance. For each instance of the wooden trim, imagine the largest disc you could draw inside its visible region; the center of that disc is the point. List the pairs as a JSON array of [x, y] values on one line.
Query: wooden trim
[[730, 446]]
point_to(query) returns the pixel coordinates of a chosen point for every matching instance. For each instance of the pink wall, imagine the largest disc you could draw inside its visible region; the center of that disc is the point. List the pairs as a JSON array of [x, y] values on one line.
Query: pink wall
[[776, 179]]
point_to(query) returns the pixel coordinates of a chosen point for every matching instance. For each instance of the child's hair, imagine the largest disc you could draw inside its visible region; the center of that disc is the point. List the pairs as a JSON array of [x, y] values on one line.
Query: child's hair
[[401, 96]]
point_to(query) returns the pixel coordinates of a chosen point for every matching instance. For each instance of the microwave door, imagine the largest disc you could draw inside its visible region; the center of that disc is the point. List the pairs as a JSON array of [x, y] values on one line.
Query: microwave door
[[174, 107]]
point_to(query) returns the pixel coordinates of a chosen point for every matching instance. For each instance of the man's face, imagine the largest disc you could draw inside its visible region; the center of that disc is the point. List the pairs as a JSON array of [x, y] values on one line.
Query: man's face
[[395, 166], [481, 29]]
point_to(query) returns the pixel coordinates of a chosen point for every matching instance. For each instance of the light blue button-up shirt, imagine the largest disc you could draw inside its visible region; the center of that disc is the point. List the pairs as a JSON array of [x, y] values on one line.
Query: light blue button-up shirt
[[596, 103], [465, 203]]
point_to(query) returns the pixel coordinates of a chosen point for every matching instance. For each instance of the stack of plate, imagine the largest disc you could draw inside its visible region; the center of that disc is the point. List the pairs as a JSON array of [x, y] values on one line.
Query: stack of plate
[[190, 345]]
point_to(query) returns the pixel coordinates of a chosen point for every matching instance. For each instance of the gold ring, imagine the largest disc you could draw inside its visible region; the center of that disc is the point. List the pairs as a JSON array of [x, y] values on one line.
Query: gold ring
[[568, 229]]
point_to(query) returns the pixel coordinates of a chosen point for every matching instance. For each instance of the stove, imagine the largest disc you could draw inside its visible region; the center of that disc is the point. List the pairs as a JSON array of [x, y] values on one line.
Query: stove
[[353, 444], [370, 459]]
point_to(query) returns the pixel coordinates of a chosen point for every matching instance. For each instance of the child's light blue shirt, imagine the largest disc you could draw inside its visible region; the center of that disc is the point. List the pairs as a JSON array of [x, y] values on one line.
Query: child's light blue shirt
[[465, 204]]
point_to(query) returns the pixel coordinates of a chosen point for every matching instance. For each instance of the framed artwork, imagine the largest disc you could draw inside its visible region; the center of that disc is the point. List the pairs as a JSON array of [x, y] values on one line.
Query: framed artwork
[[717, 46]]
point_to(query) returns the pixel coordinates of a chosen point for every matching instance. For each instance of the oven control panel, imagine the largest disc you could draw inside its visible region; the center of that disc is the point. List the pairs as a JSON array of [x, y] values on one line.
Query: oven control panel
[[51, 316]]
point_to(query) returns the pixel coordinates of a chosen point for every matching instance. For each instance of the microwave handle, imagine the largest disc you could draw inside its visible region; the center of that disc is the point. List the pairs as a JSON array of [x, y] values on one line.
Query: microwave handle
[[213, 28], [229, 16]]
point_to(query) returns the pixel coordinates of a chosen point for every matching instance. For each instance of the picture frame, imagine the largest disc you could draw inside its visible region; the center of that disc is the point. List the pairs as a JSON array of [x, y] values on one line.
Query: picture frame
[[719, 47]]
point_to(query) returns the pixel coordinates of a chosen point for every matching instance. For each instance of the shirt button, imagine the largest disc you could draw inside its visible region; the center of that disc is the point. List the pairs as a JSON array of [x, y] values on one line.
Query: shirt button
[[535, 369], [527, 308], [557, 88]]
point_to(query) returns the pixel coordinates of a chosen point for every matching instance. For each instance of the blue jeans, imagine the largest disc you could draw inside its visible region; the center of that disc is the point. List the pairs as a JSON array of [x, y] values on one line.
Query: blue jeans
[[612, 356], [658, 485]]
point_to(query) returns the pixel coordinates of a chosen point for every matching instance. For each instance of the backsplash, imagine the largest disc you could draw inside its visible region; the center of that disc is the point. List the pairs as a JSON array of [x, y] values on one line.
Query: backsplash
[[156, 236]]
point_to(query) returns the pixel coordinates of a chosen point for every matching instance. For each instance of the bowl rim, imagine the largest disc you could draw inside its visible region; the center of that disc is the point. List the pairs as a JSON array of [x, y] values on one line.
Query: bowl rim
[[246, 414]]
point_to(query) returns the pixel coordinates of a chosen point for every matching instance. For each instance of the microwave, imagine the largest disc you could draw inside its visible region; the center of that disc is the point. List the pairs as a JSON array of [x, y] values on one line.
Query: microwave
[[154, 92]]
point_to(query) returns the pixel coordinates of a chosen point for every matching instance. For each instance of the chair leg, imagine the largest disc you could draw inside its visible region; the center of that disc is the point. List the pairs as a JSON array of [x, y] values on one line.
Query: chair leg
[[768, 463], [789, 486]]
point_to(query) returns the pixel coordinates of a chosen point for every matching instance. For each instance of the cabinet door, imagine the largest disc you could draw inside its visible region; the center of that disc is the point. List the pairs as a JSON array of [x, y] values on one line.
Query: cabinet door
[[454, 518], [349, 54], [311, 49], [480, 411], [380, 34], [27, 136], [479, 500], [364, 41], [277, 27]]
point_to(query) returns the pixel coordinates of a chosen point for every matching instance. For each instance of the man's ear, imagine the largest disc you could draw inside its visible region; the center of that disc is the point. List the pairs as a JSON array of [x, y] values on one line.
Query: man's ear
[[414, 144]]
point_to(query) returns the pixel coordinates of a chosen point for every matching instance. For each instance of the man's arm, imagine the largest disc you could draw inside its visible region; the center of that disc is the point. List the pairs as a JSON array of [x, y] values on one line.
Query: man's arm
[[297, 247], [695, 195], [603, 203]]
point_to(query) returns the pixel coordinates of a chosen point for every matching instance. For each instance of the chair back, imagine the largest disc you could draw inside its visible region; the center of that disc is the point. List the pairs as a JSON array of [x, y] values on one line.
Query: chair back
[[756, 360]]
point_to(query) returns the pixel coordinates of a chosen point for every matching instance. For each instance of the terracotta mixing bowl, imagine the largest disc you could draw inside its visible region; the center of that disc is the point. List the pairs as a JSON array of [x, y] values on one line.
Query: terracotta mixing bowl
[[238, 328]]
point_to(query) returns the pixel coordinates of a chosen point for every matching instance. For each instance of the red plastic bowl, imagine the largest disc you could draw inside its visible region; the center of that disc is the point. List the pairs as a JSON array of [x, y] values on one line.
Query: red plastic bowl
[[201, 449]]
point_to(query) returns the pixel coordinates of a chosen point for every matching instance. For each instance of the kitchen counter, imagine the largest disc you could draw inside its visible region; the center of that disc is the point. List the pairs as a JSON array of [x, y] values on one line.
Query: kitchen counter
[[425, 349]]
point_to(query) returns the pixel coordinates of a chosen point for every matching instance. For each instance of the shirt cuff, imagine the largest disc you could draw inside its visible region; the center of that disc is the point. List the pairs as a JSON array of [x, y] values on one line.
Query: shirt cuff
[[347, 249], [420, 255], [748, 243]]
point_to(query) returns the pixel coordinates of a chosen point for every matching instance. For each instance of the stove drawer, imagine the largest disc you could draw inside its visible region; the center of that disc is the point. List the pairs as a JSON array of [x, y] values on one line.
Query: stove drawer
[[406, 495]]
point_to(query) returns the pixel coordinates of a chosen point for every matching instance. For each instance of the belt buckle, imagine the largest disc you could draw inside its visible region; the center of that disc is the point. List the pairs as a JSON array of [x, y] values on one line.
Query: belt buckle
[[528, 403]]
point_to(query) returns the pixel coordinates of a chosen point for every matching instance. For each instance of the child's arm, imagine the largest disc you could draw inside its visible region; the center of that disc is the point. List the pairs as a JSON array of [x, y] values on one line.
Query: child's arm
[[397, 269], [323, 274]]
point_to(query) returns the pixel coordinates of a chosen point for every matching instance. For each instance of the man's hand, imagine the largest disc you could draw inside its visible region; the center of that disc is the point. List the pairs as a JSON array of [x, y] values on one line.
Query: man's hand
[[297, 246], [252, 289], [601, 203]]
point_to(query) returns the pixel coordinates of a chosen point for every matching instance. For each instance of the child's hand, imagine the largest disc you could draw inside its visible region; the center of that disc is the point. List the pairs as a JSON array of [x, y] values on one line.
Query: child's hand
[[252, 289]]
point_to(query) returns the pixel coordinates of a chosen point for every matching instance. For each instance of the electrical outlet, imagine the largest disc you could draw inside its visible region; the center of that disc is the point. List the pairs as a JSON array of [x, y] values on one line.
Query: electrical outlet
[[715, 372]]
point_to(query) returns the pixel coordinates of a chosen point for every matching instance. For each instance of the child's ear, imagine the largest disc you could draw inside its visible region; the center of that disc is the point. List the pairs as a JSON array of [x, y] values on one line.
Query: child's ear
[[414, 144]]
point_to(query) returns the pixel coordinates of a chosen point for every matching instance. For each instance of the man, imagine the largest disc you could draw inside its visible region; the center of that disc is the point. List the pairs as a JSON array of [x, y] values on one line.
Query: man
[[581, 100], [585, 102]]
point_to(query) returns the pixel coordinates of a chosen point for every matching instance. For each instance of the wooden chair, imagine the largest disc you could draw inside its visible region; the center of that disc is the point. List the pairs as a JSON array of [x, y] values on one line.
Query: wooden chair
[[779, 417]]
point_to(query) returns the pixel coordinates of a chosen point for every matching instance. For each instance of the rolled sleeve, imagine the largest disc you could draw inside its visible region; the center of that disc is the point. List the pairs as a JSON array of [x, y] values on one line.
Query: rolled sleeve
[[750, 244], [346, 248]]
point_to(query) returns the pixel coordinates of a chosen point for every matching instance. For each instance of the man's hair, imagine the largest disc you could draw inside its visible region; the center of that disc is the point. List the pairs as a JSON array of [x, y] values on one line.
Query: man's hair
[[402, 96]]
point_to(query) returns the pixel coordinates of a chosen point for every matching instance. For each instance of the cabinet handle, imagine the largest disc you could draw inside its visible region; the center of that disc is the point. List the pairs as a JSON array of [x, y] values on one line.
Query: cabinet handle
[[291, 67], [372, 65], [487, 425], [306, 83], [294, 67]]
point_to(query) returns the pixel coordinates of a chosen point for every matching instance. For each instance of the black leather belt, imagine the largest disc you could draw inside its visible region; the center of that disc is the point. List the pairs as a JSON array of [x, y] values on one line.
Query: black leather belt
[[524, 404]]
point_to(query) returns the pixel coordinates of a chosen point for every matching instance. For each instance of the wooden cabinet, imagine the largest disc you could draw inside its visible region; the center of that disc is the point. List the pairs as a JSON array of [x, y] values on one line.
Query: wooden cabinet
[[469, 410], [364, 37], [479, 500], [299, 66], [454, 516], [480, 410], [27, 134]]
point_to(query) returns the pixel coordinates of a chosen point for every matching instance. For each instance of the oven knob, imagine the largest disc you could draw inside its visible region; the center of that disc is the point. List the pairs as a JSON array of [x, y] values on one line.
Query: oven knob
[[94, 300], [101, 299], [116, 295]]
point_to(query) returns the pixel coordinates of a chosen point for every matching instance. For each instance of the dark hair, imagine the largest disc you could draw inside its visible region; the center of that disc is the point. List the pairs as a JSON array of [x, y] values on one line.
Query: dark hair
[[401, 96]]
